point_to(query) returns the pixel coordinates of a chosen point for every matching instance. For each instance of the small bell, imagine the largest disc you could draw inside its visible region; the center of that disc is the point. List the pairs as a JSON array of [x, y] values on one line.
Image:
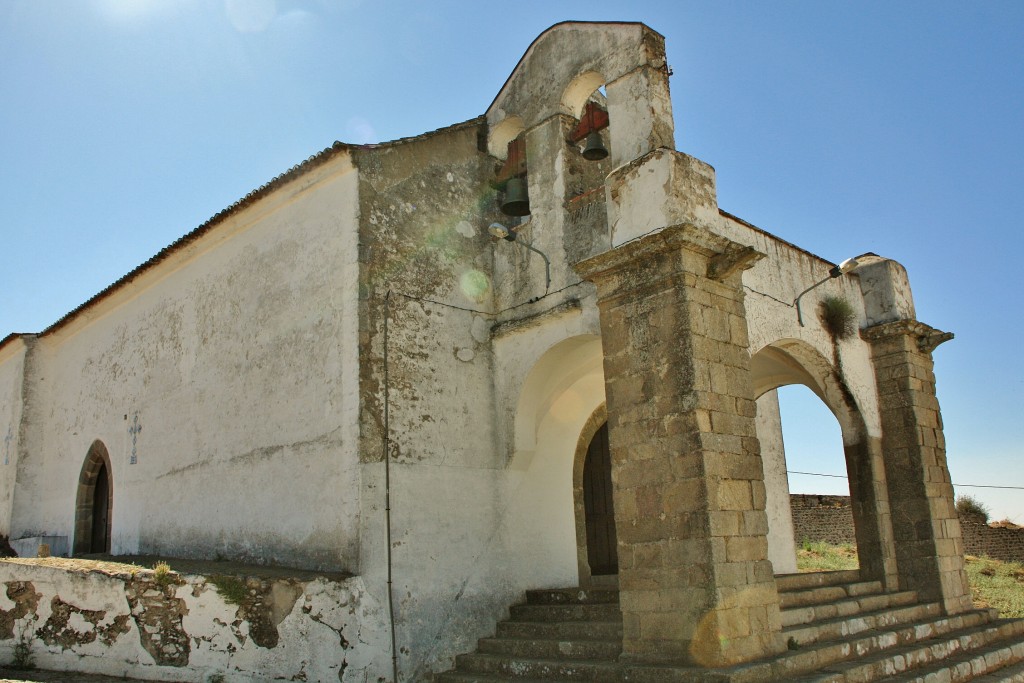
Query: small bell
[[594, 150], [516, 203]]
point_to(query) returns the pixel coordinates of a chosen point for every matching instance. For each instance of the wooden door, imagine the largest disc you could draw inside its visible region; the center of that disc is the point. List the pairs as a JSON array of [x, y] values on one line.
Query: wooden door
[[602, 552], [101, 513]]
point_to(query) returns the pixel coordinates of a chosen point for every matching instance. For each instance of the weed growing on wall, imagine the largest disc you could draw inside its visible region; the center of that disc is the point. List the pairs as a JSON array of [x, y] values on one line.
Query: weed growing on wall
[[231, 588], [162, 574], [838, 316], [22, 654]]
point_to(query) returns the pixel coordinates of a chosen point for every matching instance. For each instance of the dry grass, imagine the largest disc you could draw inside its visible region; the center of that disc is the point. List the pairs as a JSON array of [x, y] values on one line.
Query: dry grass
[[997, 584], [993, 583], [816, 556]]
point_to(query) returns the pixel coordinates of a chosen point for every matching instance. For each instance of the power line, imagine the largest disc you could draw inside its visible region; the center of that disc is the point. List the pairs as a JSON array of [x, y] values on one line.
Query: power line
[[965, 486]]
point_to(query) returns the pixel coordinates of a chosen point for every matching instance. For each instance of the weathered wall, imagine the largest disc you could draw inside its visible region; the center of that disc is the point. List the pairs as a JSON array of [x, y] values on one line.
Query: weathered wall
[[481, 477], [237, 357], [126, 622], [423, 238], [12, 364], [772, 285]]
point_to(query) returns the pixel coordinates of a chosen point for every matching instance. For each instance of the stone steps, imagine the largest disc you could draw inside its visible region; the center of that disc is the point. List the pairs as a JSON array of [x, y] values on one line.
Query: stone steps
[[545, 669], [821, 594], [845, 607], [881, 645], [840, 629], [796, 582], [561, 634], [568, 630], [545, 648], [802, 635], [956, 656], [558, 613]]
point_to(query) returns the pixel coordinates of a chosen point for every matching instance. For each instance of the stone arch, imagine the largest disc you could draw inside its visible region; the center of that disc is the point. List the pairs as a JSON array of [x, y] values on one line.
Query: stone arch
[[502, 133], [94, 514], [792, 361], [579, 91], [560, 405], [560, 386]]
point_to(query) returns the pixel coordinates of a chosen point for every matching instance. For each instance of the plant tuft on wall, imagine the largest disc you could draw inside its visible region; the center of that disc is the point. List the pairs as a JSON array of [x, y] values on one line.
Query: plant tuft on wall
[[838, 316]]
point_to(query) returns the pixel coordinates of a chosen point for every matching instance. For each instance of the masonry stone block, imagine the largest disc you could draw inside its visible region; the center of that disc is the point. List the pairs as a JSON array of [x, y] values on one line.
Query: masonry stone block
[[928, 553], [703, 455]]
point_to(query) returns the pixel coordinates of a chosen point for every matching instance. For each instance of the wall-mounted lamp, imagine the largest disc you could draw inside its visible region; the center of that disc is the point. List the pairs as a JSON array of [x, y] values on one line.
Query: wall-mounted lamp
[[501, 232], [842, 269]]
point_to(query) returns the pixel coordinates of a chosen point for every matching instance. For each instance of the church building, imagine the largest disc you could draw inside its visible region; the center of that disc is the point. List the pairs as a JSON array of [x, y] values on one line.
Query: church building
[[527, 358]]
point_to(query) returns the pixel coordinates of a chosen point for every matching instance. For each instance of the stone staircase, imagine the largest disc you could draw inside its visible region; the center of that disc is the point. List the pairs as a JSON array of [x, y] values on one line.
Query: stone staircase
[[839, 630]]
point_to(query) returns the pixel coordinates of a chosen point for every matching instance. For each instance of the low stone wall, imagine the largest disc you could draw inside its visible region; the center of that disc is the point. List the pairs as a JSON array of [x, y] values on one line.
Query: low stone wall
[[995, 542], [117, 620], [822, 518], [830, 519]]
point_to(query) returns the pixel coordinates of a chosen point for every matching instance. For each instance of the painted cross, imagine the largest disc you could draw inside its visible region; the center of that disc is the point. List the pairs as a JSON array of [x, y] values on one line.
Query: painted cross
[[134, 431], [7, 446]]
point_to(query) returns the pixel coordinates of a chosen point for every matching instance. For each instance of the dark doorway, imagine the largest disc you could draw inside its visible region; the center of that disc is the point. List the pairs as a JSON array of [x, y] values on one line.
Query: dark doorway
[[602, 553], [100, 513], [94, 503]]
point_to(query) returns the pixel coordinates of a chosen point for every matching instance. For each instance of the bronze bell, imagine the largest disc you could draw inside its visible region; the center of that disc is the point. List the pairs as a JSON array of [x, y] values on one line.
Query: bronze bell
[[516, 203], [594, 150]]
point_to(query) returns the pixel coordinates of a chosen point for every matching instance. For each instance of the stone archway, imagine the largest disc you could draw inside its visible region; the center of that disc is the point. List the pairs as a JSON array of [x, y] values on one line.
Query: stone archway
[[790, 361], [94, 503]]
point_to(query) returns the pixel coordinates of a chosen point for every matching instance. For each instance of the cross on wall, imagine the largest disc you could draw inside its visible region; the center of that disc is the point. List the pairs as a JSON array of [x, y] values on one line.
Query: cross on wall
[[7, 446], [134, 430]]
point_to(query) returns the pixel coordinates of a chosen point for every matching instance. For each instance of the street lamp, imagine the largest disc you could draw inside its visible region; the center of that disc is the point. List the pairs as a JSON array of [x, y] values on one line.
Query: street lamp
[[842, 269], [501, 232]]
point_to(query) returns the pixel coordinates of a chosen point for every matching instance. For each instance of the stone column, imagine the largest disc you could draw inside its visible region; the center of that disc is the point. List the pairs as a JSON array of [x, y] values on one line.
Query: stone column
[[696, 585], [929, 547]]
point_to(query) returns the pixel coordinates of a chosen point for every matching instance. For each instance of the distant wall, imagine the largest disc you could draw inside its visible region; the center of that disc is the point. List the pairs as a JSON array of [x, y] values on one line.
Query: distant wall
[[830, 519], [822, 518], [995, 542]]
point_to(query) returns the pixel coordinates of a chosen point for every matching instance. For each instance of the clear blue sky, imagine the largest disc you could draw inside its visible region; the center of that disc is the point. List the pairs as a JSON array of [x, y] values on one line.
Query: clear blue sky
[[893, 127]]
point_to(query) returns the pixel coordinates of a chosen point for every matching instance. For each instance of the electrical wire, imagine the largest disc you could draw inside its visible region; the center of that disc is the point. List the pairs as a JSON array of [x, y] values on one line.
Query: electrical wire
[[965, 486]]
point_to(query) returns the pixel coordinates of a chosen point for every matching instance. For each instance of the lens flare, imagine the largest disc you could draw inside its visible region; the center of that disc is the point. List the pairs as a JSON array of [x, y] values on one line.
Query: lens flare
[[474, 285]]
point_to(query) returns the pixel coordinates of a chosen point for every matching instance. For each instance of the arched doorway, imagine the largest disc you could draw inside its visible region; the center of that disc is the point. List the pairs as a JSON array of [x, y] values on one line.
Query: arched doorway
[[790, 361], [599, 508], [94, 503]]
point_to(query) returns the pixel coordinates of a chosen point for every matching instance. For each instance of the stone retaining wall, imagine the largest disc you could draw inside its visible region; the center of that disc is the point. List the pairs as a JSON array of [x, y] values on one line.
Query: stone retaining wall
[[122, 621], [830, 519]]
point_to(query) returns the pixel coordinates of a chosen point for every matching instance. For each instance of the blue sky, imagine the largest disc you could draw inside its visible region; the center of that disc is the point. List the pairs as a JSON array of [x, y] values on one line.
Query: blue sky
[[892, 127]]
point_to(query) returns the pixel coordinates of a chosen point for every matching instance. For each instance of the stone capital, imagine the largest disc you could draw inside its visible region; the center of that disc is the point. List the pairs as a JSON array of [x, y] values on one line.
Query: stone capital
[[725, 256], [926, 338]]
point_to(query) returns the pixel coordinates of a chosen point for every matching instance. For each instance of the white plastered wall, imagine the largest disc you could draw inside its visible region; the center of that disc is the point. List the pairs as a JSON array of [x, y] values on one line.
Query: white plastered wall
[[12, 367], [238, 354]]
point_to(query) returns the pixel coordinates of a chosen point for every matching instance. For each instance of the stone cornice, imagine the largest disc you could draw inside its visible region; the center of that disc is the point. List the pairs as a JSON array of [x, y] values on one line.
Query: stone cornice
[[926, 337], [726, 256]]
